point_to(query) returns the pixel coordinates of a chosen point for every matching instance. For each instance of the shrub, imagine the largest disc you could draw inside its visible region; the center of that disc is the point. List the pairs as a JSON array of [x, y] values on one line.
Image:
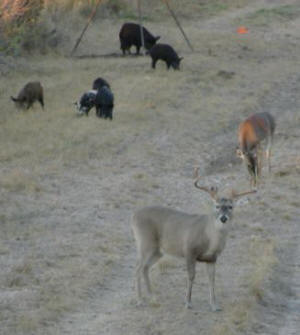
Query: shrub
[[19, 20], [35, 25]]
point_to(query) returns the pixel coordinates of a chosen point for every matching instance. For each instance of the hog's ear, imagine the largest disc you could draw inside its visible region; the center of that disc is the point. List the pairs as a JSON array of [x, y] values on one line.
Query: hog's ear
[[157, 38]]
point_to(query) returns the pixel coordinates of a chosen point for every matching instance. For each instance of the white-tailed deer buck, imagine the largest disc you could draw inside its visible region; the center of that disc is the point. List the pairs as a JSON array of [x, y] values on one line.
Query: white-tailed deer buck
[[197, 238], [252, 132]]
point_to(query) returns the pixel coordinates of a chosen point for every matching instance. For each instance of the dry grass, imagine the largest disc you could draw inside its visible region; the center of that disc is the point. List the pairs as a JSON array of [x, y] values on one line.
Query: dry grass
[[17, 180], [58, 283], [239, 315], [236, 319], [262, 252], [67, 183]]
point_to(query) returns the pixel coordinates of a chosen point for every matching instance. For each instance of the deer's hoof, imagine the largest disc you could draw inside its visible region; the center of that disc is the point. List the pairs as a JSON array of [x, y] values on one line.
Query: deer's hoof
[[188, 305], [216, 308]]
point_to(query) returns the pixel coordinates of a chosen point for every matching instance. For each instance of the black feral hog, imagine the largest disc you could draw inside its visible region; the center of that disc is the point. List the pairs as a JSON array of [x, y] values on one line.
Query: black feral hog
[[130, 34], [104, 103], [99, 83], [166, 53], [31, 92]]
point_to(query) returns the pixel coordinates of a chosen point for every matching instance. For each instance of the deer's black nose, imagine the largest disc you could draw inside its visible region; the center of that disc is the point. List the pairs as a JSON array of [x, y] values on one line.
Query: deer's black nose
[[223, 218]]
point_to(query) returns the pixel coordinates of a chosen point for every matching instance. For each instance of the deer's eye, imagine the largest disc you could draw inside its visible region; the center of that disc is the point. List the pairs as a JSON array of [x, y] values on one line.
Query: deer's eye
[[230, 207]]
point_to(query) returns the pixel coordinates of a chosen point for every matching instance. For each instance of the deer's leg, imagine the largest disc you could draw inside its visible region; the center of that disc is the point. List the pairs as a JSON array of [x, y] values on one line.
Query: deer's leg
[[142, 254], [148, 254], [253, 180], [191, 268], [211, 269], [258, 165], [150, 261], [138, 279], [268, 153], [253, 176]]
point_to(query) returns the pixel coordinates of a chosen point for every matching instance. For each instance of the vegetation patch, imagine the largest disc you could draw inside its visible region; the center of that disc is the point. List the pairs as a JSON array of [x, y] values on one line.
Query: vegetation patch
[[265, 16]]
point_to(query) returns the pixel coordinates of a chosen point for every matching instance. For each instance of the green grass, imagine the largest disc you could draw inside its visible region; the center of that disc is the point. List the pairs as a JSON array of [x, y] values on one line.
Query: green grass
[[213, 7], [264, 16]]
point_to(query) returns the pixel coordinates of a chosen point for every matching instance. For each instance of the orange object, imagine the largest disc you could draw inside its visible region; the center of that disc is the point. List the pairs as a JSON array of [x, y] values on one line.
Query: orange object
[[242, 30]]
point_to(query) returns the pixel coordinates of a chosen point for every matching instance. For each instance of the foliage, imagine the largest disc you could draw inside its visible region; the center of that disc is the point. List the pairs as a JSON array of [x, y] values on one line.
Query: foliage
[[19, 23], [34, 25]]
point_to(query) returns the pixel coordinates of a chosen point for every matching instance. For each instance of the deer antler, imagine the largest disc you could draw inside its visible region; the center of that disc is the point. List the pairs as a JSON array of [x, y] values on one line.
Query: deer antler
[[237, 195], [212, 190]]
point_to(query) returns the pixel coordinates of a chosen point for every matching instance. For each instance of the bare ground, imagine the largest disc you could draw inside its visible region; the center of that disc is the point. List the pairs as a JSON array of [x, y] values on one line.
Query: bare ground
[[70, 185]]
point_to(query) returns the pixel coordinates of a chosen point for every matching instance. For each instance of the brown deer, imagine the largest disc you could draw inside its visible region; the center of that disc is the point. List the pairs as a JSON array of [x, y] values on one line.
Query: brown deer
[[252, 132]]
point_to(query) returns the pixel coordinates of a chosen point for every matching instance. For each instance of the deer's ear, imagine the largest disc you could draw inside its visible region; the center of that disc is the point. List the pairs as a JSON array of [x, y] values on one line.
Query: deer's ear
[[238, 201]]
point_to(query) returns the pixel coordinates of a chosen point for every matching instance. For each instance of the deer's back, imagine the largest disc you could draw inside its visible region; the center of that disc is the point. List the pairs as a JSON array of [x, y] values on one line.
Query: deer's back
[[169, 229], [255, 129]]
